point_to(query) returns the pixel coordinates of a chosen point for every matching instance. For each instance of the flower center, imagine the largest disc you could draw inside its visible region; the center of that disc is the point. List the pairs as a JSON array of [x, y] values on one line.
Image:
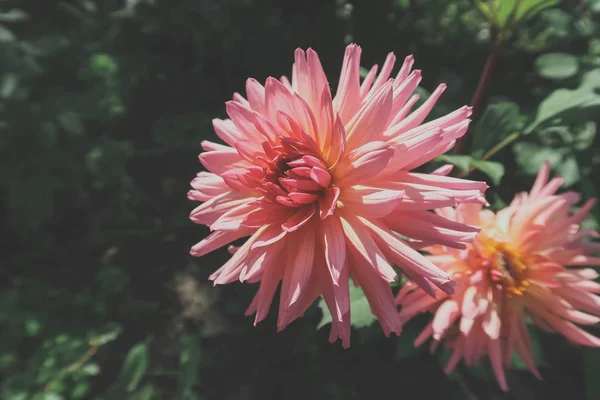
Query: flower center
[[507, 269], [290, 174]]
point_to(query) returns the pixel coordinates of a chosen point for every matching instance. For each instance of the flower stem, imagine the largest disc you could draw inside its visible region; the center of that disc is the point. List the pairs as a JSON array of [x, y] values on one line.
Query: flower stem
[[480, 92], [509, 139]]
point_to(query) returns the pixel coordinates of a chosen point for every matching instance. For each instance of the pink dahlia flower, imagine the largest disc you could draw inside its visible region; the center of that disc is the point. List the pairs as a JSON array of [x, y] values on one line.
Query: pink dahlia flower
[[320, 185], [514, 268]]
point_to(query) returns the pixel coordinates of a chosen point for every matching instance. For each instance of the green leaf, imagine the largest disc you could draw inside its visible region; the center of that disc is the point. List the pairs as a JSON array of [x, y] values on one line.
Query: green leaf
[[110, 333], [531, 156], [497, 122], [557, 65], [145, 393], [505, 10], [529, 8], [563, 100], [461, 162], [189, 366], [14, 15], [493, 169], [360, 309], [134, 367], [569, 170], [32, 326], [6, 35]]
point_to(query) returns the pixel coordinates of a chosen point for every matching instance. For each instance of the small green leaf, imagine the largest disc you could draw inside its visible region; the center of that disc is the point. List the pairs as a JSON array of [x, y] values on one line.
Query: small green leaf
[[134, 367], [145, 393], [6, 35], [505, 10], [557, 65], [493, 169], [496, 122], [461, 162], [360, 309], [529, 8], [569, 170], [91, 369], [531, 156], [563, 100], [32, 326], [189, 366], [14, 15]]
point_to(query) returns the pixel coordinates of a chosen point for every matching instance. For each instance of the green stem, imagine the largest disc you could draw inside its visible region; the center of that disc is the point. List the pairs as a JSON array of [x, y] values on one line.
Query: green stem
[[479, 95], [508, 140]]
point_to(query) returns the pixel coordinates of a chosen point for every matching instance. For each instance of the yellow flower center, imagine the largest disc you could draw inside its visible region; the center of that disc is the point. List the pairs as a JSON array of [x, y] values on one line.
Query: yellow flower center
[[507, 268], [504, 266]]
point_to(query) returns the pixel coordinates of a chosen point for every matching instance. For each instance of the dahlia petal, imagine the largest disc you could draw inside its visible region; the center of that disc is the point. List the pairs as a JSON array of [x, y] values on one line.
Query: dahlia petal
[[380, 297], [226, 131], [423, 283], [303, 198], [299, 267], [298, 219], [272, 234], [523, 348], [230, 271], [320, 176], [496, 360], [256, 95], [243, 118], [491, 323], [365, 162], [370, 121], [444, 170], [424, 335], [445, 316], [404, 99], [208, 185], [358, 240], [337, 147], [220, 161], [371, 202], [572, 332], [266, 291], [431, 227], [310, 77], [264, 216], [210, 211], [347, 99], [328, 202], [386, 70], [399, 252], [335, 248], [454, 358], [419, 115], [216, 240], [279, 99], [406, 67], [232, 219], [367, 83]]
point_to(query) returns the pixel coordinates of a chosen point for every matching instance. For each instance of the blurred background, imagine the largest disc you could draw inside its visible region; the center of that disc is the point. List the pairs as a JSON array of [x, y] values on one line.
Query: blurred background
[[103, 105]]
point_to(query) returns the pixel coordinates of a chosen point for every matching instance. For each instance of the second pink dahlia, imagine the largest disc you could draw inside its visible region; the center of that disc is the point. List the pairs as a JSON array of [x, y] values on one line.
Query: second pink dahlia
[[321, 185], [515, 268]]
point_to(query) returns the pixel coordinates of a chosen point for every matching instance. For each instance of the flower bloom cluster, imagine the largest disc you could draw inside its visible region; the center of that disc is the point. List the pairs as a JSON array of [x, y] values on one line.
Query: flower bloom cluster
[[515, 268], [321, 186]]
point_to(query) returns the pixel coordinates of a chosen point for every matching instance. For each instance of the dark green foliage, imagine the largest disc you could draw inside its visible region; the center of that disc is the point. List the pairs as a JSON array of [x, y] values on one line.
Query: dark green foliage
[[103, 105]]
